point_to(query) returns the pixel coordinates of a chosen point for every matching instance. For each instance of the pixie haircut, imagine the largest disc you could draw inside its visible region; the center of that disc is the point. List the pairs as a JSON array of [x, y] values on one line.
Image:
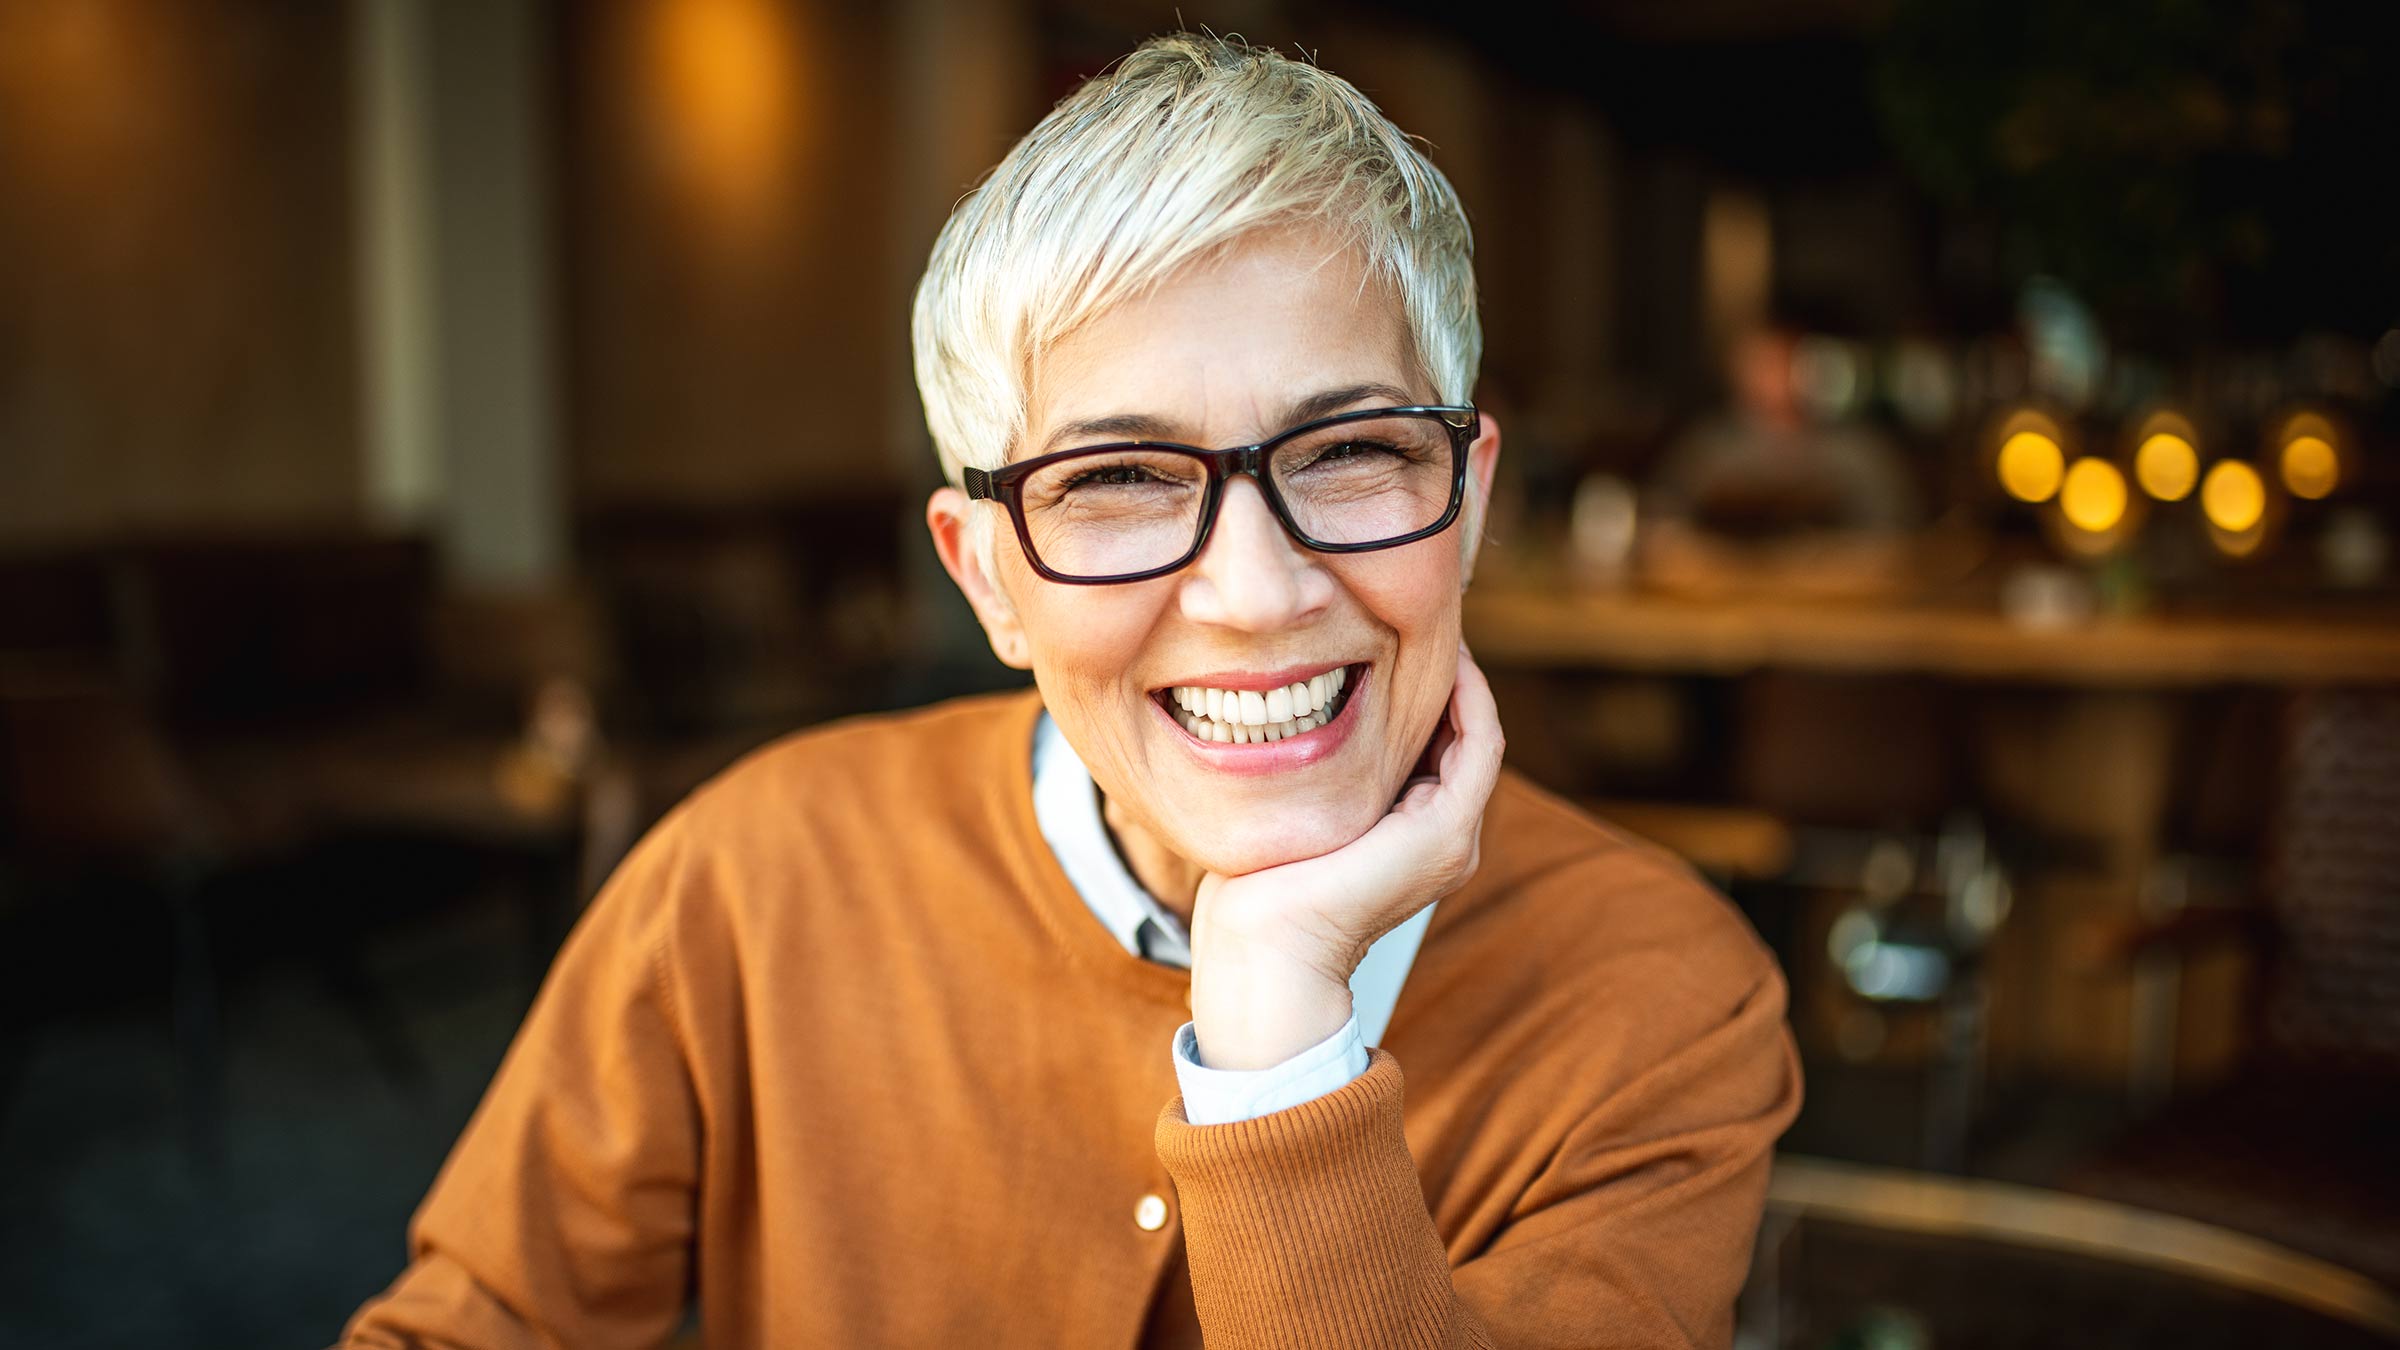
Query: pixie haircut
[[1188, 144]]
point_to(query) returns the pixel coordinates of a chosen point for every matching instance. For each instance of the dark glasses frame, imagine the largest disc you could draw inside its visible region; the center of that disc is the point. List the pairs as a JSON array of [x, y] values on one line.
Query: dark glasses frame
[[1006, 485]]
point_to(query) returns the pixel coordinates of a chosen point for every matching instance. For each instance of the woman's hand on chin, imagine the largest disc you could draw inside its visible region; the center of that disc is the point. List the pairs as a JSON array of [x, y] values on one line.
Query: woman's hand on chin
[[1273, 950]]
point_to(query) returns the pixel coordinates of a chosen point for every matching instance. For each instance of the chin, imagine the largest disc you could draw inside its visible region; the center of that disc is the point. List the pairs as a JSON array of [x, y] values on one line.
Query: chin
[[1310, 835]]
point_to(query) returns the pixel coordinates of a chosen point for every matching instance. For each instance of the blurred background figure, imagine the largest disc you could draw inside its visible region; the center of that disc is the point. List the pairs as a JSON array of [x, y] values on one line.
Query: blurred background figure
[[1950, 496], [1765, 467], [1777, 490]]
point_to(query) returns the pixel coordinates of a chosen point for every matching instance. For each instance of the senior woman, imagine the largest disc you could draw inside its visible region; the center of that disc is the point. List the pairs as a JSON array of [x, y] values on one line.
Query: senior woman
[[1077, 1016]]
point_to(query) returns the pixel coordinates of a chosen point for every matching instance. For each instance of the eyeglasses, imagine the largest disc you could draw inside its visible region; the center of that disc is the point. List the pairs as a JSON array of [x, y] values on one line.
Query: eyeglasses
[[1130, 511]]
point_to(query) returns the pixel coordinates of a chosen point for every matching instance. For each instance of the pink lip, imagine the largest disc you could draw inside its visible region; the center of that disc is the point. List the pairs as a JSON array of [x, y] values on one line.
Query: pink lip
[[1297, 752]]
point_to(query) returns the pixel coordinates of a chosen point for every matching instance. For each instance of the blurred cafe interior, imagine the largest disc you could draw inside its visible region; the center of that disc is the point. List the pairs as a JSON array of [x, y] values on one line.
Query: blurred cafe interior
[[1950, 498]]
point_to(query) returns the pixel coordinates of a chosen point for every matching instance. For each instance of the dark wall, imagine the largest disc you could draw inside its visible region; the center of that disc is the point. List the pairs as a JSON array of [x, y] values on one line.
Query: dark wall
[[176, 336], [733, 329]]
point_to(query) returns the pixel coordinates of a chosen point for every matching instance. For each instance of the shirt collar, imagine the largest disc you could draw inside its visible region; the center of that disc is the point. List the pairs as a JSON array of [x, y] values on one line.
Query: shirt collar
[[1066, 805]]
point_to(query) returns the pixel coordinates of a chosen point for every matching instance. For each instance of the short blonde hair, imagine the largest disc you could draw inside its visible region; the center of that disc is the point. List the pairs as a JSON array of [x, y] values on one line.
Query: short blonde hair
[[1188, 144]]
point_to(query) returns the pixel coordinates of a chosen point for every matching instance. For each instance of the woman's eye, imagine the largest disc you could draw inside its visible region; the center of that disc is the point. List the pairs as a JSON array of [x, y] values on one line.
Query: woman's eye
[[1348, 450], [1114, 475]]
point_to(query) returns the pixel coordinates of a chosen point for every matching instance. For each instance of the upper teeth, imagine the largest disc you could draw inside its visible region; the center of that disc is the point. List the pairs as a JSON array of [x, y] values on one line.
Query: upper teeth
[[1245, 715]]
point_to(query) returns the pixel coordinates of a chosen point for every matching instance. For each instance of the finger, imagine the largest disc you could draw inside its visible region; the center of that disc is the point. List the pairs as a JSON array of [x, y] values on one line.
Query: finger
[[1472, 762], [1445, 735], [1441, 751], [1461, 762]]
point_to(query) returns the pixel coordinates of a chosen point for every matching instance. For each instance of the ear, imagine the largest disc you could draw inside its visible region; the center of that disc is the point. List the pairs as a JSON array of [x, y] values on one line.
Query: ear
[[954, 540], [1482, 457]]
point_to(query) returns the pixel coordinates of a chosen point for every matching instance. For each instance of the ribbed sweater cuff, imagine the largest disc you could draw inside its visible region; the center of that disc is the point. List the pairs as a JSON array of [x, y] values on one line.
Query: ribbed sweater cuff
[[1307, 1226]]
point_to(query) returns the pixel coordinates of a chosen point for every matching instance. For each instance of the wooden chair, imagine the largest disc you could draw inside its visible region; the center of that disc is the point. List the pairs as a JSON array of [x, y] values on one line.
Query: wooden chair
[[2297, 1143]]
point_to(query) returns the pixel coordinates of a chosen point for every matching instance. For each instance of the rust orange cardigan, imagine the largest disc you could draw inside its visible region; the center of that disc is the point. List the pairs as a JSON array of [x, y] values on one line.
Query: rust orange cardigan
[[839, 1058]]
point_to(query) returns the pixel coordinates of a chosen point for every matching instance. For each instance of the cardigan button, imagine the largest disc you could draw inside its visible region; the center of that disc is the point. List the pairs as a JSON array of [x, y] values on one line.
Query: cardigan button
[[1150, 1213]]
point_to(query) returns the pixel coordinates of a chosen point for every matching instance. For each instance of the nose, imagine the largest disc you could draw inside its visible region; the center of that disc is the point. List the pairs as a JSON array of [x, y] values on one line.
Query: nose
[[1253, 576]]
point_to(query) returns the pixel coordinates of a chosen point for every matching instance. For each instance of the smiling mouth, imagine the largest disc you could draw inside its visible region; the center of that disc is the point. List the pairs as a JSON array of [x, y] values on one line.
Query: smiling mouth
[[1260, 717]]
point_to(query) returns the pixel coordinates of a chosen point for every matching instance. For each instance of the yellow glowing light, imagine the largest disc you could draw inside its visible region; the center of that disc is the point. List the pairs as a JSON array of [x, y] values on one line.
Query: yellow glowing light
[[2167, 466], [2305, 422], [2233, 496], [725, 98], [2310, 467], [2030, 466], [2092, 496], [2240, 545]]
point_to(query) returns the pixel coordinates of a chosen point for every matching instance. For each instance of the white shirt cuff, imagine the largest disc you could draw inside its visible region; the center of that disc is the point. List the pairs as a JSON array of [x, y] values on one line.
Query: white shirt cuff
[[1222, 1096]]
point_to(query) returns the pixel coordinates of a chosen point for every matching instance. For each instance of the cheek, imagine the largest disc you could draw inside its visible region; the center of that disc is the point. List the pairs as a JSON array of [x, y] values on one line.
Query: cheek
[[1085, 649], [1413, 593], [1080, 637], [1415, 597]]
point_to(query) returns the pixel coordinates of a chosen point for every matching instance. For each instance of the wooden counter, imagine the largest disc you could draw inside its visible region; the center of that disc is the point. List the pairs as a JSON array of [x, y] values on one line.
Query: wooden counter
[[1555, 627], [2076, 731]]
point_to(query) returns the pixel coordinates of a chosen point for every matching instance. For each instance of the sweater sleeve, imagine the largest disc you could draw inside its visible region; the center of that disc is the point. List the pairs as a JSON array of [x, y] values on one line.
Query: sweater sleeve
[[563, 1216], [1309, 1227]]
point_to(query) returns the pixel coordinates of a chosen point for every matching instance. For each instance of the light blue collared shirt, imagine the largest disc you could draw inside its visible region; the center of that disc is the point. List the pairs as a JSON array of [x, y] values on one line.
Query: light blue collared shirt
[[1067, 806]]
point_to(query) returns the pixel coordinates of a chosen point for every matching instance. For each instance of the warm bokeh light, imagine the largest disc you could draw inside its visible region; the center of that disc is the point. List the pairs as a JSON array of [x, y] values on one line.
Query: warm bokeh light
[[92, 101], [2311, 469], [2092, 495], [2233, 496], [2167, 466], [721, 75], [2241, 544], [2031, 465], [2307, 454]]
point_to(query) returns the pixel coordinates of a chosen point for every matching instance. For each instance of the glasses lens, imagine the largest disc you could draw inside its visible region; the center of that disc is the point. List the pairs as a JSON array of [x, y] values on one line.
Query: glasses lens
[[1367, 481], [1114, 512]]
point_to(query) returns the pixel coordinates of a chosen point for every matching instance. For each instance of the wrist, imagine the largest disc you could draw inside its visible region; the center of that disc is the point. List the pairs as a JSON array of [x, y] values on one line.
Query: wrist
[[1256, 1008]]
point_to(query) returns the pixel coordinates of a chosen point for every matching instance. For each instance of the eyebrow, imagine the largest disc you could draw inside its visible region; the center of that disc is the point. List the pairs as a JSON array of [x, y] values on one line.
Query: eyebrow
[[1151, 427]]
